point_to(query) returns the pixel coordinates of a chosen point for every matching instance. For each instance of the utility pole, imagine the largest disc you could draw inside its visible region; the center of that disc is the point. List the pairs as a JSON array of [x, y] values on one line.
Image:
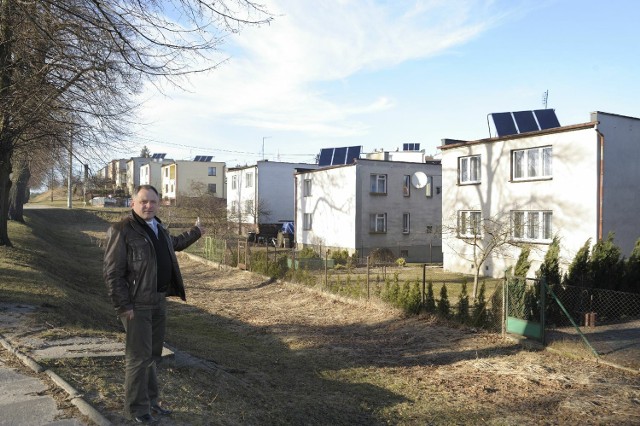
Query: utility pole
[[69, 185], [263, 138]]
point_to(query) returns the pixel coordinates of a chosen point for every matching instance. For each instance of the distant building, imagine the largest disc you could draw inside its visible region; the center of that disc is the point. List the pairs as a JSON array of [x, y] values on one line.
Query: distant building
[[184, 178], [151, 172], [261, 194]]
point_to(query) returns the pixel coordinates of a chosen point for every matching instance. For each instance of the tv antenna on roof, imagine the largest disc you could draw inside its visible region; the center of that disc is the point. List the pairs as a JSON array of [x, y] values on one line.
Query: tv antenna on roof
[[545, 97]]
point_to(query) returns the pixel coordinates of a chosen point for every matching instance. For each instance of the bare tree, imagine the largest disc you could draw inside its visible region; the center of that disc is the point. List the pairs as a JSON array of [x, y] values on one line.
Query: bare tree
[[69, 68], [482, 237]]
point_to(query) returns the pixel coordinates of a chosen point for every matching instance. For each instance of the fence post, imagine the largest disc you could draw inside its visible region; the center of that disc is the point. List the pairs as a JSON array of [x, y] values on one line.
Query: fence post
[[424, 281], [368, 277], [326, 270], [503, 310], [543, 308]]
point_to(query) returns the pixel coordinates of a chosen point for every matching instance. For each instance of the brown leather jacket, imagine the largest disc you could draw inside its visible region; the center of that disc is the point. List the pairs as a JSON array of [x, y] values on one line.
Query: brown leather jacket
[[130, 267]]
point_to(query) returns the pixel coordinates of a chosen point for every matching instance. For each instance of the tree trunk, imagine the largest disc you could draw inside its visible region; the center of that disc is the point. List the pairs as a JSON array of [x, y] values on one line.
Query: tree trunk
[[6, 136], [475, 283], [5, 186], [19, 194]]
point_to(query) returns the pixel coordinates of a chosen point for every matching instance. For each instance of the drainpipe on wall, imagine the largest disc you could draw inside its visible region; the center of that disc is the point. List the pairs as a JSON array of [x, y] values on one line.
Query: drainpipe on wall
[[600, 185]]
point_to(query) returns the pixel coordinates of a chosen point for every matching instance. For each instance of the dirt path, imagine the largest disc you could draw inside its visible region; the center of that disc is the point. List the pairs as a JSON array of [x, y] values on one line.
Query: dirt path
[[419, 359]]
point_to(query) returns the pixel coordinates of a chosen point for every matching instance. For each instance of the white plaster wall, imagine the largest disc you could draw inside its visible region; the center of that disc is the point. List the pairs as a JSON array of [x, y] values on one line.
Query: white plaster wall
[[276, 190], [332, 204], [571, 195], [621, 177]]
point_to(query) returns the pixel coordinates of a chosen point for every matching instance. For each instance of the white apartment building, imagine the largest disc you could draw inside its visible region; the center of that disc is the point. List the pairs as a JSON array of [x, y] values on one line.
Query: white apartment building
[[261, 194], [151, 172], [575, 182], [371, 204]]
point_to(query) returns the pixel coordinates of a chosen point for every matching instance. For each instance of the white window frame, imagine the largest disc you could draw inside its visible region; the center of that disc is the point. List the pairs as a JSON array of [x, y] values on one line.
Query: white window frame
[[249, 180], [406, 185], [532, 225], [469, 169], [234, 182], [378, 223], [211, 171], [406, 223], [378, 184], [212, 188], [307, 221], [248, 206], [532, 163], [306, 188], [234, 206], [469, 223]]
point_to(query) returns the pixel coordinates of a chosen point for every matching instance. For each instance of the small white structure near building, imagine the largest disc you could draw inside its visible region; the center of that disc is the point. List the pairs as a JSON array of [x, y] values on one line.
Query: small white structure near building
[[371, 204], [575, 182], [185, 178], [261, 194]]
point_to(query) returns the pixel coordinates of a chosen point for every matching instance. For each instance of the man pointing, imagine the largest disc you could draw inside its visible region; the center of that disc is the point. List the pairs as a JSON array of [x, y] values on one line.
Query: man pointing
[[140, 270]]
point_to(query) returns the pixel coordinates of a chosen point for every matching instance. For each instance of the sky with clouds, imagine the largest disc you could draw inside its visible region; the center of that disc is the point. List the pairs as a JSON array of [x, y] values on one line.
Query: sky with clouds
[[380, 73]]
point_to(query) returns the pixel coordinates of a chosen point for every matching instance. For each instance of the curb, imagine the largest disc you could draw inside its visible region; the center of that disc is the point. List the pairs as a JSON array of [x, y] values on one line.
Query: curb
[[75, 398]]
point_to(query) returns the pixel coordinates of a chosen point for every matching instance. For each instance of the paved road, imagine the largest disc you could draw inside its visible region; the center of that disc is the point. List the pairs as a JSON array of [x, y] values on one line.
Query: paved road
[[23, 400]]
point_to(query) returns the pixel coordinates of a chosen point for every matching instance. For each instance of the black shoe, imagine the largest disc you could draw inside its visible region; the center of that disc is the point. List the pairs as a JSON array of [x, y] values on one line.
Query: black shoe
[[156, 409], [146, 418]]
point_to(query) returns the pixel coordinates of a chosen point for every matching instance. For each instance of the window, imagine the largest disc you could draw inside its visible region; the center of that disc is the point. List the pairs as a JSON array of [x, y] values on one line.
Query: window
[[307, 221], [212, 171], [234, 182], [428, 191], [234, 207], [166, 187], [378, 184], [533, 163], [404, 253], [378, 222], [212, 188], [406, 185], [166, 172], [429, 229], [469, 222], [469, 169], [248, 206], [249, 182], [532, 225], [406, 223], [306, 191]]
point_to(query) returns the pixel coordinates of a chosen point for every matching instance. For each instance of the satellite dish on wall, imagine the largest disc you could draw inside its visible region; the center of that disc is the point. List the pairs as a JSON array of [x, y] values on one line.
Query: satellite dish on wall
[[419, 180]]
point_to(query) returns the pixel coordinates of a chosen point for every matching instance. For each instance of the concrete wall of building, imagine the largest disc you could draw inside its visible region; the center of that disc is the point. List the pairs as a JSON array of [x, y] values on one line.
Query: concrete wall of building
[[191, 178], [331, 205], [341, 202], [570, 194], [621, 174]]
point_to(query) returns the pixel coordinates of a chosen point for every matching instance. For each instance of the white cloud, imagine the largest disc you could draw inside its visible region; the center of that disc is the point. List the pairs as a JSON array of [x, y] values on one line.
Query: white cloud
[[273, 79]]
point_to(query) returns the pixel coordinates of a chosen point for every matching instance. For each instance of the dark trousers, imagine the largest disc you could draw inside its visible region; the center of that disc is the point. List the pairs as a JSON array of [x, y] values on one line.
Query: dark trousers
[[143, 350]]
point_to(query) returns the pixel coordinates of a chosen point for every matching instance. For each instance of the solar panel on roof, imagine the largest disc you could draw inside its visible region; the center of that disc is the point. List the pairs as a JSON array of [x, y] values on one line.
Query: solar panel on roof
[[339, 156], [547, 118], [208, 158], [353, 153], [504, 123], [326, 155], [197, 158], [526, 121]]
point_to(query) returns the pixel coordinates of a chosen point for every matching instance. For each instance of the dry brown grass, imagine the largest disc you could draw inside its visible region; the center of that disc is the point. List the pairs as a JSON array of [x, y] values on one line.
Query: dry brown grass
[[254, 351]]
